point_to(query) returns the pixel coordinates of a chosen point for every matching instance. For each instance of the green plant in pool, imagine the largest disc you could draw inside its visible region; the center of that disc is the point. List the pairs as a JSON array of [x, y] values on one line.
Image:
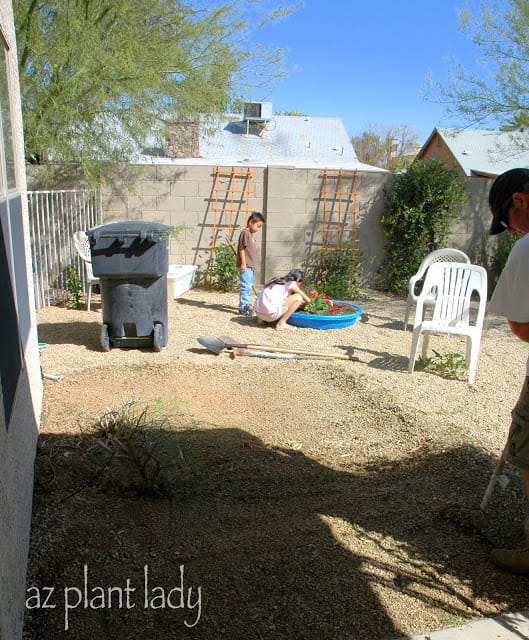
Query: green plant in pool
[[319, 304]]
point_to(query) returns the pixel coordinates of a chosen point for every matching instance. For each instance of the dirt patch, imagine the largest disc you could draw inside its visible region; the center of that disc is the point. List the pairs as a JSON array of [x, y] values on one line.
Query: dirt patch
[[316, 498]]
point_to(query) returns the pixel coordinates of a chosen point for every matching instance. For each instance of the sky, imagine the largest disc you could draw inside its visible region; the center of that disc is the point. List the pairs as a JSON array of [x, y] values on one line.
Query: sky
[[366, 61]]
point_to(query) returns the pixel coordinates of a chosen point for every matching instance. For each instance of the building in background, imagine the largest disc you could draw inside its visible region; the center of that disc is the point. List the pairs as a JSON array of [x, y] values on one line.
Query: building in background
[[256, 136], [477, 153]]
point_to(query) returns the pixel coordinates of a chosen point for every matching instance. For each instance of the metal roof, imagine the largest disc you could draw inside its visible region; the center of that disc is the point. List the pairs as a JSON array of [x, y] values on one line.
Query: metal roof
[[484, 152], [299, 141]]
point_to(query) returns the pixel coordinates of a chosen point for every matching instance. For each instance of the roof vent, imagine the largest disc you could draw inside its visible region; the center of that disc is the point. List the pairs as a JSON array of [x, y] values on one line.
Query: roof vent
[[257, 111]]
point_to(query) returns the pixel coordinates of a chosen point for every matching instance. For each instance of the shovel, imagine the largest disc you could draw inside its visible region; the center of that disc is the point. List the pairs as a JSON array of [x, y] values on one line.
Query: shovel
[[216, 345], [235, 353]]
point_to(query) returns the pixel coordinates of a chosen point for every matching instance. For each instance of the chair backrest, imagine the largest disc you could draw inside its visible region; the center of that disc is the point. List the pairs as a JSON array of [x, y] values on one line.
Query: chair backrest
[[82, 245], [455, 283], [441, 255]]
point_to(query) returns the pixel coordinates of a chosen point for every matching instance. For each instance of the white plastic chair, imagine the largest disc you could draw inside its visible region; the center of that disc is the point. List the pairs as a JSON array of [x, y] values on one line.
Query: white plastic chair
[[455, 283], [82, 245], [440, 255]]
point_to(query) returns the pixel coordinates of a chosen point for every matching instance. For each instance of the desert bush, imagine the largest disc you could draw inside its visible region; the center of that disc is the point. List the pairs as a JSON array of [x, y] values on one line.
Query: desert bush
[[334, 271], [419, 208], [221, 272], [138, 450]]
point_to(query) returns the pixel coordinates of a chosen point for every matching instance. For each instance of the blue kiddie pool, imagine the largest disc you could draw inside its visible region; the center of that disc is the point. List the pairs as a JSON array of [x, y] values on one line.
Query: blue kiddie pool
[[327, 321]]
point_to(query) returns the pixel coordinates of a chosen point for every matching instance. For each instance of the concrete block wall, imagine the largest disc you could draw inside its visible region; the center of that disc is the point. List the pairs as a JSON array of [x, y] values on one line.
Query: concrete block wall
[[289, 212], [290, 199], [182, 195]]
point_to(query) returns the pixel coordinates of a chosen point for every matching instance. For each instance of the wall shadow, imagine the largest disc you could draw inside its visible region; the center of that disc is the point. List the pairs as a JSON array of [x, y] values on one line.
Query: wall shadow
[[281, 545], [205, 305]]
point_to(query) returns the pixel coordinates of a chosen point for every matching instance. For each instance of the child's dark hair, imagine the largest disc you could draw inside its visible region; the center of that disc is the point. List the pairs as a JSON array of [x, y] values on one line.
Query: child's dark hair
[[255, 216], [296, 275]]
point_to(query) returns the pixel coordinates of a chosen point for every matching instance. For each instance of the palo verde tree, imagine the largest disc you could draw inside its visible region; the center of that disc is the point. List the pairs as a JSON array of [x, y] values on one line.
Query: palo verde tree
[[419, 208], [99, 77], [497, 91]]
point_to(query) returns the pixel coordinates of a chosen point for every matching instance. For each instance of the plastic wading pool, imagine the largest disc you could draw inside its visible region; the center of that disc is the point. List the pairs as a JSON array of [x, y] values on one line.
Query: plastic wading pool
[[330, 321]]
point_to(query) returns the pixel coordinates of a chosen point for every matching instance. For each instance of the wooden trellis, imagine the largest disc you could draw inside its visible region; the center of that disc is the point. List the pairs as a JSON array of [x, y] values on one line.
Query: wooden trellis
[[229, 206], [339, 208]]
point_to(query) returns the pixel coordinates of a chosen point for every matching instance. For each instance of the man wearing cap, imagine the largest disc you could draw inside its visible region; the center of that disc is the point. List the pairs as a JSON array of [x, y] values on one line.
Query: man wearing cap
[[509, 203]]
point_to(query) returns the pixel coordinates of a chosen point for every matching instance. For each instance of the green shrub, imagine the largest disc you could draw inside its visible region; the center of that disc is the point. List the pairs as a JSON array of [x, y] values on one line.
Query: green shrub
[[451, 364], [221, 273], [75, 286], [334, 271], [419, 208], [503, 248]]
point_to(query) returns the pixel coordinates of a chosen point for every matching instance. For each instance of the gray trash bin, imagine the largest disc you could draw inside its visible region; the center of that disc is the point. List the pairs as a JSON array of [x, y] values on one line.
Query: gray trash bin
[[131, 260]]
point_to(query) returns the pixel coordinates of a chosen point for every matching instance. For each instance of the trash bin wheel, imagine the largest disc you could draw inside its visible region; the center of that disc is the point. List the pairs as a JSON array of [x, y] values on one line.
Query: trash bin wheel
[[157, 336], [105, 338]]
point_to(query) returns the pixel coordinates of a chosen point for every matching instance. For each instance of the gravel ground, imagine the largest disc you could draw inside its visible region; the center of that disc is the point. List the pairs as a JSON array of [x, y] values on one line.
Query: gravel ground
[[317, 498]]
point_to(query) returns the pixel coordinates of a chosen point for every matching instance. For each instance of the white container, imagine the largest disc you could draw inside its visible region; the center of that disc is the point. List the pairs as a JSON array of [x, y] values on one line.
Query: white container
[[180, 278]]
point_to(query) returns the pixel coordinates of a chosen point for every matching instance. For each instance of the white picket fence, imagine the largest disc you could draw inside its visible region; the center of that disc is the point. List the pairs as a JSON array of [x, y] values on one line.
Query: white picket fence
[[54, 217]]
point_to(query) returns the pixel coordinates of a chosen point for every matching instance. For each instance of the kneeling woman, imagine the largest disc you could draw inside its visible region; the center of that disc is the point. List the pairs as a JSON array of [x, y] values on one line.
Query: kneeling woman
[[280, 298]]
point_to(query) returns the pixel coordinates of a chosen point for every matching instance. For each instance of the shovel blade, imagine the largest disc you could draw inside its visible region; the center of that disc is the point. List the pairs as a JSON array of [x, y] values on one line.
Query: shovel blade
[[229, 342], [211, 343]]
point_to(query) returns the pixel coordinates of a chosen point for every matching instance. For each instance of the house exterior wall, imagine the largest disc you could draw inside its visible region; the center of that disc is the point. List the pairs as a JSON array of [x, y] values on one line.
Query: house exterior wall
[[20, 378], [438, 150]]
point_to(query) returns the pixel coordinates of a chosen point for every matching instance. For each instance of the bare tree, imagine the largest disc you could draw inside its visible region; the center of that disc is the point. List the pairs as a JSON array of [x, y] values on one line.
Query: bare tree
[[392, 148]]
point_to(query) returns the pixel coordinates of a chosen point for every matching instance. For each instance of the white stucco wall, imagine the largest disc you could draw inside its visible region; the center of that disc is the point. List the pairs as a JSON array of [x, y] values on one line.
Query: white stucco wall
[[18, 436]]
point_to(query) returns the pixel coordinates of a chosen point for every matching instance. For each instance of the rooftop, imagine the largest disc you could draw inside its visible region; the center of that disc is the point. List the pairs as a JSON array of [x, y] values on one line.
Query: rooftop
[[484, 152], [299, 141]]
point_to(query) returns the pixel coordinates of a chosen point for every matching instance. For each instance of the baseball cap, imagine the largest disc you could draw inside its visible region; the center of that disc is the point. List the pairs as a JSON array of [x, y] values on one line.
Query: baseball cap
[[500, 196]]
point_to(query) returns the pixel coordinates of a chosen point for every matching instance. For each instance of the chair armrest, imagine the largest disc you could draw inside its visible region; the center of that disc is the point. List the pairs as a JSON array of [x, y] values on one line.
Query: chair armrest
[[411, 286]]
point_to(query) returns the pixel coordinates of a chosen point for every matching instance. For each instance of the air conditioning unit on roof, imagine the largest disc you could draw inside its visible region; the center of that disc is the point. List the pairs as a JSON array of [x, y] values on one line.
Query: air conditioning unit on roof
[[257, 111]]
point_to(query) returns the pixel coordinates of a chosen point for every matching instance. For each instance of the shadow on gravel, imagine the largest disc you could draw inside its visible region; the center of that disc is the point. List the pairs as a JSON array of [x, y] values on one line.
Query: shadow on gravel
[[280, 545], [205, 305], [86, 334]]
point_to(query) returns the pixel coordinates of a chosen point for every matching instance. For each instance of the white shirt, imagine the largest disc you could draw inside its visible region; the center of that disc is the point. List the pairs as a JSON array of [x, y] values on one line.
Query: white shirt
[[272, 297], [511, 294]]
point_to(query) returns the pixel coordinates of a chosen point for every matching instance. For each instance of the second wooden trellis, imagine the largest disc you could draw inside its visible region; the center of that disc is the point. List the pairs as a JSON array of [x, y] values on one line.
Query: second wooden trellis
[[339, 208]]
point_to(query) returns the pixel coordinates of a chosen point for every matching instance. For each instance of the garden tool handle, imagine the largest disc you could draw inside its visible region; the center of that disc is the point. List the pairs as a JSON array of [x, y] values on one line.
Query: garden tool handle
[[339, 356], [494, 478]]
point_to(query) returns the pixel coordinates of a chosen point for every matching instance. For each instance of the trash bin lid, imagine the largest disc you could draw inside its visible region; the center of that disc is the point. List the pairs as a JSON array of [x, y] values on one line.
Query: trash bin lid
[[129, 229]]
